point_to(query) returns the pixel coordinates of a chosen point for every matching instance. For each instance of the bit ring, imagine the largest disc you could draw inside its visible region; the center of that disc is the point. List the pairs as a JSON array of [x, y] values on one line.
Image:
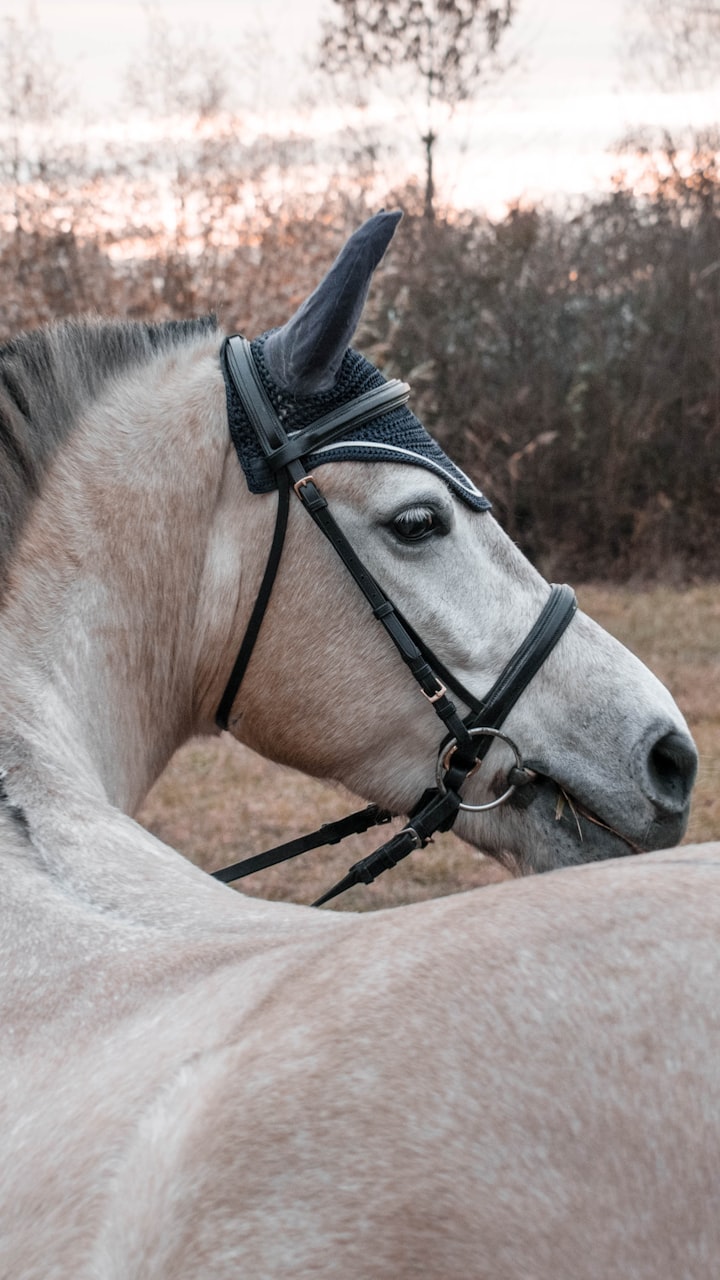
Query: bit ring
[[444, 761]]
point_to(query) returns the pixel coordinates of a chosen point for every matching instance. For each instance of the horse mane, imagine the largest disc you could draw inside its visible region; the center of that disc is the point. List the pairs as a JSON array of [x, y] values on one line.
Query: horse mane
[[47, 378]]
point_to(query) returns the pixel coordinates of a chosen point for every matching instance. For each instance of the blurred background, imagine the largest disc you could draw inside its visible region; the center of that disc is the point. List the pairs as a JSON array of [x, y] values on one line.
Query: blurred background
[[553, 295]]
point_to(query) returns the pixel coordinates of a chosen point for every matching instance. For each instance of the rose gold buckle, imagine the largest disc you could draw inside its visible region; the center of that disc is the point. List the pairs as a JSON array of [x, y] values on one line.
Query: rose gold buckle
[[449, 755], [435, 697], [300, 484]]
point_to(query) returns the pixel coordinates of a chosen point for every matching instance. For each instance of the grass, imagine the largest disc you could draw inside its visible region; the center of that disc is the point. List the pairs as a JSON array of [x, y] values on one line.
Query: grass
[[677, 633], [218, 802]]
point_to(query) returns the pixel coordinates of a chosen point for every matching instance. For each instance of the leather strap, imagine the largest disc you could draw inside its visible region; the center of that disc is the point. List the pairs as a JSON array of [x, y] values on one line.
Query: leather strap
[[328, 833], [256, 617], [491, 710], [245, 375], [361, 410], [559, 611], [437, 814]]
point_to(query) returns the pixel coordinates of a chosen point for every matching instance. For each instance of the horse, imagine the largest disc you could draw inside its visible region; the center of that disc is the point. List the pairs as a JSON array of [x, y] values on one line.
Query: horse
[[521, 1081]]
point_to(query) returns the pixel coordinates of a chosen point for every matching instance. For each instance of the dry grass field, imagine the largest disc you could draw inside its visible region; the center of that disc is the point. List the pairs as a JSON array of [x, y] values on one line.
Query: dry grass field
[[218, 802]]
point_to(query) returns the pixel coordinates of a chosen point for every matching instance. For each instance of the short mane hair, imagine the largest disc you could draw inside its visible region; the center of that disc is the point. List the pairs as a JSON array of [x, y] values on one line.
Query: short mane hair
[[47, 378]]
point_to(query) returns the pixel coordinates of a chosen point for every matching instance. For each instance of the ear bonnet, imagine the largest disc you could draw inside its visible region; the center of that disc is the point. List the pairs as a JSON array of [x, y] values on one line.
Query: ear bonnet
[[308, 369], [397, 436]]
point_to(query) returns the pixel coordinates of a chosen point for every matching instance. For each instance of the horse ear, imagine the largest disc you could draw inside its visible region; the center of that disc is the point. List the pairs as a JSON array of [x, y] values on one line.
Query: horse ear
[[304, 356]]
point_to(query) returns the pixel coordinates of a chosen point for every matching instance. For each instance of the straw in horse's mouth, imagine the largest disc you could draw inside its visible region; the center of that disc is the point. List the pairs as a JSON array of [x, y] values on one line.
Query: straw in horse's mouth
[[577, 809], [564, 801]]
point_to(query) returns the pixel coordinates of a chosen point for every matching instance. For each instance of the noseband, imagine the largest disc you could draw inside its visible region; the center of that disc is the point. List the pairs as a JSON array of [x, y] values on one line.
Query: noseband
[[466, 740]]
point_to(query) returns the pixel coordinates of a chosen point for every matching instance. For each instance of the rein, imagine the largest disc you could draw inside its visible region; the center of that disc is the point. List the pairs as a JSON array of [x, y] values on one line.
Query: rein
[[466, 741]]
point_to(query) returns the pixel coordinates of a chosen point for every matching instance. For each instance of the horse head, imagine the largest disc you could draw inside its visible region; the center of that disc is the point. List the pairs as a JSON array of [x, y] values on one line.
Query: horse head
[[137, 549], [608, 762]]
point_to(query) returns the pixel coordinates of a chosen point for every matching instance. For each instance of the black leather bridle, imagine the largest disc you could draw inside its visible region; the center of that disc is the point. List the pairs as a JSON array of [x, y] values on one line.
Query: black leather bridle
[[466, 740]]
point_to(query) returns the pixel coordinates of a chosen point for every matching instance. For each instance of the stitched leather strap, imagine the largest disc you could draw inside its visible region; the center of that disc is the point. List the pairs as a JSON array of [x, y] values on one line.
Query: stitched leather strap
[[328, 833], [363, 409], [263, 596]]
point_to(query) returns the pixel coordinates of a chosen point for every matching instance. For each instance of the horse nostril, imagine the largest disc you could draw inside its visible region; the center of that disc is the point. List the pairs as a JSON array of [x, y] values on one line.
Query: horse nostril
[[672, 766]]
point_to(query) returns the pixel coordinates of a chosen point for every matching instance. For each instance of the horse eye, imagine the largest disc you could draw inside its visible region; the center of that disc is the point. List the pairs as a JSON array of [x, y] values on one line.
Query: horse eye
[[415, 524]]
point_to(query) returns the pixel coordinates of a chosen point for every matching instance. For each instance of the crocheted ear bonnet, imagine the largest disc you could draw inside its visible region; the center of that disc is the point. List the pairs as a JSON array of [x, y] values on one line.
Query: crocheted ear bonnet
[[397, 436]]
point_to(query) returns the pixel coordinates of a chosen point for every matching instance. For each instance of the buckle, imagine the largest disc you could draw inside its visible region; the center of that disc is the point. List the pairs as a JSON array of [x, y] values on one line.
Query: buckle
[[435, 697]]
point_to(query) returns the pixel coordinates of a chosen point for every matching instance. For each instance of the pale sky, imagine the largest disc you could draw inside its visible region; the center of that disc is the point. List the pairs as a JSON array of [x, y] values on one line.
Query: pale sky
[[543, 130]]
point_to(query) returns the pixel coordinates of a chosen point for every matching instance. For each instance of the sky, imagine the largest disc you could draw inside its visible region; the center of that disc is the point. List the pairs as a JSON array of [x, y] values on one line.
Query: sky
[[543, 131]]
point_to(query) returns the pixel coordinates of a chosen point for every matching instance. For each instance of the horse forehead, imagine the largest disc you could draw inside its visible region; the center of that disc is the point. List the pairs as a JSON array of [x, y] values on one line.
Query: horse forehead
[[375, 486]]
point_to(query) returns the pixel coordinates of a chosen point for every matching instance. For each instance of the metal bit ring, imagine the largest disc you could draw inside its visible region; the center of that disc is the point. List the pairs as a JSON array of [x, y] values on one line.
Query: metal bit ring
[[447, 752]]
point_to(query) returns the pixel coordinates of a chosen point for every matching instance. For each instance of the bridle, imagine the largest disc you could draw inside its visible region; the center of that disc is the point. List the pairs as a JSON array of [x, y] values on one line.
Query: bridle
[[466, 740]]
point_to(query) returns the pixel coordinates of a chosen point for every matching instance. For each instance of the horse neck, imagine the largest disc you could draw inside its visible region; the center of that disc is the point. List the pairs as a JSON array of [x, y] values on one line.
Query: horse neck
[[99, 636]]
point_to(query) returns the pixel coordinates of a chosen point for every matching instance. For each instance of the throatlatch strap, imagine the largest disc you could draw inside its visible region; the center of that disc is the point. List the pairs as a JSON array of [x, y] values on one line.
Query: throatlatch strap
[[258, 613]]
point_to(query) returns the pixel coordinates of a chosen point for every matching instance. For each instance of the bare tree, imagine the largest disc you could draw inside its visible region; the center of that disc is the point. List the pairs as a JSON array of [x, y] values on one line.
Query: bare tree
[[46, 255], [448, 48], [675, 45], [32, 99], [679, 41], [186, 176]]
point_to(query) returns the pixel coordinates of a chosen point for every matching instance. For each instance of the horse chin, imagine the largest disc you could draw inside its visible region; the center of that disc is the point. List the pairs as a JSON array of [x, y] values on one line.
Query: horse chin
[[544, 828]]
